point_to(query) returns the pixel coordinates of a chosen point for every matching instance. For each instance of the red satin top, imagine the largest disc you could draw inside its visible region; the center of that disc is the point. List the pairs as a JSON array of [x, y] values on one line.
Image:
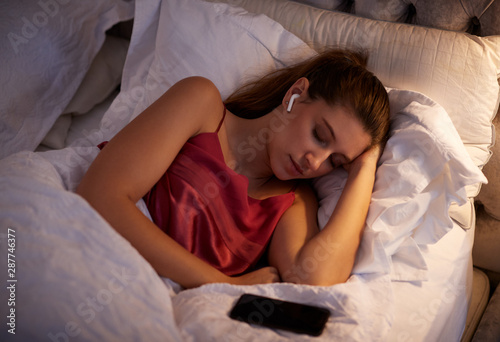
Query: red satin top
[[204, 205]]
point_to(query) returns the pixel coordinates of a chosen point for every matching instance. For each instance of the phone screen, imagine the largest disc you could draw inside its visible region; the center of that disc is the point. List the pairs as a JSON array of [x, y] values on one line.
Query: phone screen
[[275, 313]]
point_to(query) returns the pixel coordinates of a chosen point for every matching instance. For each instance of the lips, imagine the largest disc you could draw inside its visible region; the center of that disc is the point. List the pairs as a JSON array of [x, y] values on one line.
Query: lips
[[296, 168]]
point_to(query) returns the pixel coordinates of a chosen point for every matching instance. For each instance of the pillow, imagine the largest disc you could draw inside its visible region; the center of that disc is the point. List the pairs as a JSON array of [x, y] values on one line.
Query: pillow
[[457, 70], [101, 80], [489, 195], [48, 46], [56, 137], [165, 50], [423, 170]]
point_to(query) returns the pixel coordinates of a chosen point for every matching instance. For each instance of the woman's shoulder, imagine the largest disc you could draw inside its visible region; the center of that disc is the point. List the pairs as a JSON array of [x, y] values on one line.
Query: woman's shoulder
[[199, 100], [199, 90], [200, 85]]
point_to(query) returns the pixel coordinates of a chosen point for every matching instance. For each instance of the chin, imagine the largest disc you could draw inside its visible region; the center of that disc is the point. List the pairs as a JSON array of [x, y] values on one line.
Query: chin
[[284, 178], [283, 175]]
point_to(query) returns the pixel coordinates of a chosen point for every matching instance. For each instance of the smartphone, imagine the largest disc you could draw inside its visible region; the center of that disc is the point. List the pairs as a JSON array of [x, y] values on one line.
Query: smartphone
[[279, 314]]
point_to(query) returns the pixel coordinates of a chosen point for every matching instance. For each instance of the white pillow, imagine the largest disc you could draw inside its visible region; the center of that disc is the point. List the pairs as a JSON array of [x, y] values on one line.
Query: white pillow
[[101, 80], [222, 43], [56, 136], [457, 70], [423, 170], [47, 48]]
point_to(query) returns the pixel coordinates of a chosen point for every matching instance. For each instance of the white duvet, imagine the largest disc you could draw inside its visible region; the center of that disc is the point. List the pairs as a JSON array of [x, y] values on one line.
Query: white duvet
[[77, 279]]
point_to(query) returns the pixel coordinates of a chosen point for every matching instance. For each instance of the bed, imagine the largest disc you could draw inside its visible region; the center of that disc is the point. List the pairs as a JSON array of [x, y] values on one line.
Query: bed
[[74, 75]]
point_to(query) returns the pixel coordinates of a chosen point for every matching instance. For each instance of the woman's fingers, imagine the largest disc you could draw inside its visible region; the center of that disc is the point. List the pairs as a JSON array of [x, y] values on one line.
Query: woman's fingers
[[263, 275]]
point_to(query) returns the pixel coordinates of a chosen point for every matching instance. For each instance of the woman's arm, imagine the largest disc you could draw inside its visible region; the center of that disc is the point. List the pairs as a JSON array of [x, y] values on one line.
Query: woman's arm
[[135, 159], [304, 255]]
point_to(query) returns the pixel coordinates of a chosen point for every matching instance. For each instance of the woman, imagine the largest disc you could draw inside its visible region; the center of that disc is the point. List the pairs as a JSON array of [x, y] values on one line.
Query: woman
[[224, 182]]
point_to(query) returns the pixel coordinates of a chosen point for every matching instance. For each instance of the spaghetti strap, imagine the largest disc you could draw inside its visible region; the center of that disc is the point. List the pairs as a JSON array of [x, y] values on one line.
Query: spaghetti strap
[[222, 120]]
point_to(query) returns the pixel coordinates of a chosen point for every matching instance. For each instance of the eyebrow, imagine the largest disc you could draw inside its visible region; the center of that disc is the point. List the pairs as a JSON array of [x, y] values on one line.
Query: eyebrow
[[347, 159]]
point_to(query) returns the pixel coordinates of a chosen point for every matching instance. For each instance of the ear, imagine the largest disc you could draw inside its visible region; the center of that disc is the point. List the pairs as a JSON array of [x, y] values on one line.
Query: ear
[[300, 87]]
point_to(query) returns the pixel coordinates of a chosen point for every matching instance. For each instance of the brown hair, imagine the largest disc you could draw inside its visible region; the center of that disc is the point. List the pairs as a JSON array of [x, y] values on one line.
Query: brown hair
[[336, 76]]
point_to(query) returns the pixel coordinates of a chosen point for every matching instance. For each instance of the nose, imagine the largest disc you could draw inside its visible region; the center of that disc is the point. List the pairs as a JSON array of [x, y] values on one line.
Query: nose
[[316, 159]]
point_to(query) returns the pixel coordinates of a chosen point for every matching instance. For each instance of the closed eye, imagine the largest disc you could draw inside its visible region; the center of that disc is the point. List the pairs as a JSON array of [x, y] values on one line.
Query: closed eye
[[318, 138]]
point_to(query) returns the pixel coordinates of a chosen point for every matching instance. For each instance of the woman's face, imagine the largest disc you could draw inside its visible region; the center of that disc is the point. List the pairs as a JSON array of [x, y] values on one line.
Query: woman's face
[[317, 138]]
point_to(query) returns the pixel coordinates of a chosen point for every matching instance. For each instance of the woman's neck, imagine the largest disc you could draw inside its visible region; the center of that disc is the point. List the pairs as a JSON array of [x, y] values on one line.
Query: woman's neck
[[244, 145]]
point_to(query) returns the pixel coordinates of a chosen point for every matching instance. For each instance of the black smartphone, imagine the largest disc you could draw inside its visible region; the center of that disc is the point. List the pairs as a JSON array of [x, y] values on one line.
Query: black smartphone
[[275, 313]]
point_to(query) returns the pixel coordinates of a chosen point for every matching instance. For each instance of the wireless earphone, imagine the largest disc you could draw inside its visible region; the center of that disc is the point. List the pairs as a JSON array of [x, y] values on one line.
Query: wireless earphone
[[292, 98]]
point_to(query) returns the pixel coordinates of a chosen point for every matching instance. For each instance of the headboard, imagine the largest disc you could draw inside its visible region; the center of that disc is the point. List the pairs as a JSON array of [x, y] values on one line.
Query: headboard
[[478, 17]]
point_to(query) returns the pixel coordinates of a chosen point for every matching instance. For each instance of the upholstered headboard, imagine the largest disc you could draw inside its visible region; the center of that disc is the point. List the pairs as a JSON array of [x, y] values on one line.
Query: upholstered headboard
[[478, 17]]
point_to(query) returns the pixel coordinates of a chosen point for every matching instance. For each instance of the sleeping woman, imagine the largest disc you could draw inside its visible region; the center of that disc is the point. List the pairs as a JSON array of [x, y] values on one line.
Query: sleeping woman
[[226, 182]]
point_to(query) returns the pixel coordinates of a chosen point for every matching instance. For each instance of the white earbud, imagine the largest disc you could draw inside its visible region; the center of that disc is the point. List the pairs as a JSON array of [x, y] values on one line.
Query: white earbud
[[290, 104]]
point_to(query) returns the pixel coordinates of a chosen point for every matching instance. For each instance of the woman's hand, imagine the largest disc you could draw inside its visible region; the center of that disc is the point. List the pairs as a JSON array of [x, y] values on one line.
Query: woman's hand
[[263, 275], [368, 158]]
